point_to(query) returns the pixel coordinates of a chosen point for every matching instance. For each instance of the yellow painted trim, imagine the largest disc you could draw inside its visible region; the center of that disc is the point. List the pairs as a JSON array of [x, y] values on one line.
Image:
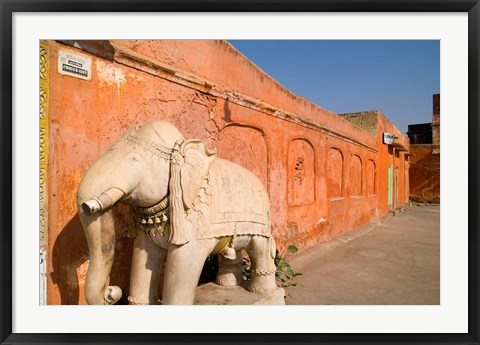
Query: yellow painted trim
[[43, 111]]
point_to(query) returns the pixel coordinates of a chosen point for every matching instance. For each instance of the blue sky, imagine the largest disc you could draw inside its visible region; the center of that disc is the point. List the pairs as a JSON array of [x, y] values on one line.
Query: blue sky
[[397, 77]]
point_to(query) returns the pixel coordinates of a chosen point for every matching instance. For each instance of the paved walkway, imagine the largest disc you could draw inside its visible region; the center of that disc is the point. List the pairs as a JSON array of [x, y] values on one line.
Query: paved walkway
[[396, 261]]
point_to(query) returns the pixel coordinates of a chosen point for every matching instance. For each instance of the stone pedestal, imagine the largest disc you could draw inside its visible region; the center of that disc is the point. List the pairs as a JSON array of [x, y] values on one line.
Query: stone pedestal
[[213, 294]]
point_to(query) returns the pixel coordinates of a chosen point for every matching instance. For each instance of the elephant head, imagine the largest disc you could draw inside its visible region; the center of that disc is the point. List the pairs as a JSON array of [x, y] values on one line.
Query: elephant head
[[150, 165]]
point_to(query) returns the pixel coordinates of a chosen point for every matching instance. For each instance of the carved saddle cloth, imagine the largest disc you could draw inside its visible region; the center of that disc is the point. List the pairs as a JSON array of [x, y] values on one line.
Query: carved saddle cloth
[[231, 201]]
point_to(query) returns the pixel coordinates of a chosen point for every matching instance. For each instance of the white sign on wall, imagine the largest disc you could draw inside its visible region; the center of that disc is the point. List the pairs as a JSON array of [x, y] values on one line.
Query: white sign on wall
[[74, 64], [388, 138]]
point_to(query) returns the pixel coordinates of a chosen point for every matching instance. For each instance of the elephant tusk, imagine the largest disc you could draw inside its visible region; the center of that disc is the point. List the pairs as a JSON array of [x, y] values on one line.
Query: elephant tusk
[[92, 206], [103, 201]]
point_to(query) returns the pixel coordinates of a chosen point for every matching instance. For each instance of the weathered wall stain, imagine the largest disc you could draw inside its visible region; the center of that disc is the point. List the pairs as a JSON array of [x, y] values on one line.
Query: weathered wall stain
[[424, 174]]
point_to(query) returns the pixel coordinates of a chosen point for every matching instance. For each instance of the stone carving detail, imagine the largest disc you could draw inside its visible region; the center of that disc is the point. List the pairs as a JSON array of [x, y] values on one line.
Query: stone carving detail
[[154, 219], [43, 103], [301, 171], [189, 204], [299, 174], [43, 60]]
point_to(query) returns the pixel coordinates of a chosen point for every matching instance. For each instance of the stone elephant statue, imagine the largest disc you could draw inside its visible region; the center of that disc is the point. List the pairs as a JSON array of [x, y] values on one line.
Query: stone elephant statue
[[188, 204]]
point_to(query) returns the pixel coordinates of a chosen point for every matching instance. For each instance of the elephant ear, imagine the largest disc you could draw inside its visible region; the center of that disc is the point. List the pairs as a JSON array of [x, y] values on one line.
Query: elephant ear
[[197, 160], [189, 167]]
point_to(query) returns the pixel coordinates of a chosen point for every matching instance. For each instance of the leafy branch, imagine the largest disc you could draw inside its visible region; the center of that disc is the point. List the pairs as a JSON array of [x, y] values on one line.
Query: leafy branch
[[284, 273]]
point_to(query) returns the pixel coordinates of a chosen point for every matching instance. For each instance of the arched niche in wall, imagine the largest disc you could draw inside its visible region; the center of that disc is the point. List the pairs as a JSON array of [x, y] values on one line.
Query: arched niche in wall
[[301, 172], [371, 177], [245, 146], [334, 173], [356, 176]]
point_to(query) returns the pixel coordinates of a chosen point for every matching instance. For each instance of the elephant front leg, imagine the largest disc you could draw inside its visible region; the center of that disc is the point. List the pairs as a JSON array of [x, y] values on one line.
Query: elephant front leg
[[182, 271], [147, 261]]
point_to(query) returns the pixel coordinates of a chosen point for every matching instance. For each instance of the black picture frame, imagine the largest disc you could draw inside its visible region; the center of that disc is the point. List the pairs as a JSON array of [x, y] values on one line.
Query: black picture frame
[[8, 7]]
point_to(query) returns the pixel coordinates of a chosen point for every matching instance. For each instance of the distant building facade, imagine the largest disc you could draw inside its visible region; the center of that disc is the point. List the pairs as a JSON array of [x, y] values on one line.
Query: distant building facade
[[325, 174], [393, 157], [425, 157]]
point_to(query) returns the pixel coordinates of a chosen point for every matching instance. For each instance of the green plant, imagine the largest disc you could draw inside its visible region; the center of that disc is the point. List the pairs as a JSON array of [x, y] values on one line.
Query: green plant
[[284, 273]]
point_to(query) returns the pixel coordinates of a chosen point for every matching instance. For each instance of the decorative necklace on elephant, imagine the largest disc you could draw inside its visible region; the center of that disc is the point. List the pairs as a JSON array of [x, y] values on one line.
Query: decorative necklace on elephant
[[153, 219]]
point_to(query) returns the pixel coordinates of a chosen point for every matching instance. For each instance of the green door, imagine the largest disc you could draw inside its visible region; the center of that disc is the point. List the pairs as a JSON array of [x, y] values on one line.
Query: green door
[[390, 180], [396, 186]]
